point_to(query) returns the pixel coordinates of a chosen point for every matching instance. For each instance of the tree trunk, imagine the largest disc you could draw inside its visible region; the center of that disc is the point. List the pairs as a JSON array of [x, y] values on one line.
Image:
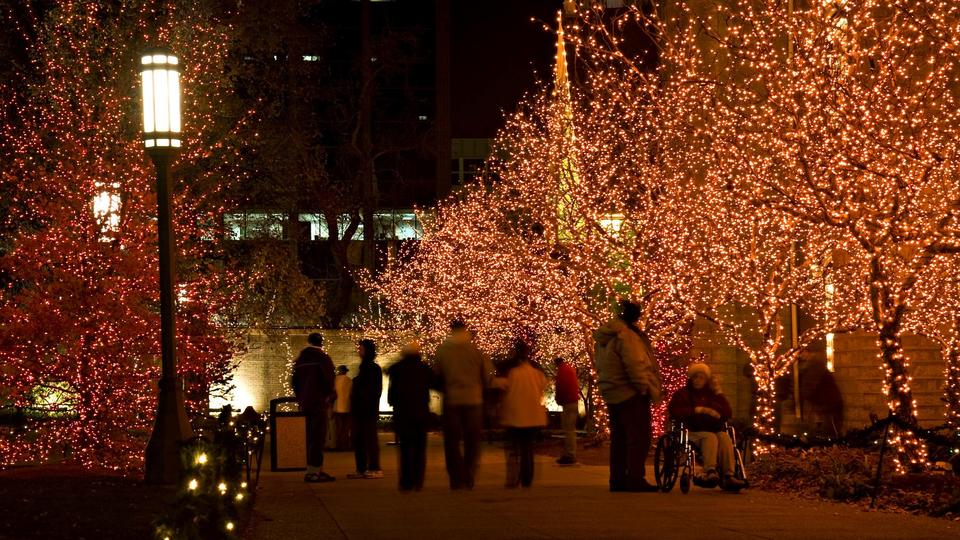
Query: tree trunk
[[597, 421], [765, 416], [342, 294], [911, 451]]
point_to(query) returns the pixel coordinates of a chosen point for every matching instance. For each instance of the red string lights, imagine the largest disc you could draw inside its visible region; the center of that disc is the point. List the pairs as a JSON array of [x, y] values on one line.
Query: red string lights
[[80, 309]]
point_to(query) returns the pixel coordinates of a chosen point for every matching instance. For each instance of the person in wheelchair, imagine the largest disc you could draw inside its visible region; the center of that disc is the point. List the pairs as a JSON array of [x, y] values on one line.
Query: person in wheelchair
[[704, 411]]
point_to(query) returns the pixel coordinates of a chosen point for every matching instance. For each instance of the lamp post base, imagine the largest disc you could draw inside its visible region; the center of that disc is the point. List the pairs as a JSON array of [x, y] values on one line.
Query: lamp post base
[[171, 429]]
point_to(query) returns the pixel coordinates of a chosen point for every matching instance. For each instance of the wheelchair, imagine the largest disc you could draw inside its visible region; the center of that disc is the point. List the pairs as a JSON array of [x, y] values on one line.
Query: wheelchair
[[676, 459]]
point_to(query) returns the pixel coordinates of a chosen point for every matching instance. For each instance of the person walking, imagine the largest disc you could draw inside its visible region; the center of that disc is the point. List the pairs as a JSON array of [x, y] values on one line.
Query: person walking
[[313, 386], [522, 412], [461, 373], [341, 410], [629, 381], [567, 393], [409, 395], [365, 410]]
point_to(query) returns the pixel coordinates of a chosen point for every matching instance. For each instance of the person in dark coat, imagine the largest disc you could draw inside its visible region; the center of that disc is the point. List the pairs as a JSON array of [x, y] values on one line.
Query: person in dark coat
[[313, 385], [704, 411], [365, 408], [409, 395]]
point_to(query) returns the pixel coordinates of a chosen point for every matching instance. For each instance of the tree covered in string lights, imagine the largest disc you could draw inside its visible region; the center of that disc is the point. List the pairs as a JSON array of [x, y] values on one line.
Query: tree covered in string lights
[[552, 237], [80, 341], [842, 116]]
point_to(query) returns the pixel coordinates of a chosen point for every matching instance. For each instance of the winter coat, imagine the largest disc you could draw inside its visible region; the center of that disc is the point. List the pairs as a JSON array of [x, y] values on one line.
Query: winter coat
[[685, 400], [567, 385], [522, 403], [313, 380], [625, 364], [409, 392], [462, 371], [367, 387], [344, 385]]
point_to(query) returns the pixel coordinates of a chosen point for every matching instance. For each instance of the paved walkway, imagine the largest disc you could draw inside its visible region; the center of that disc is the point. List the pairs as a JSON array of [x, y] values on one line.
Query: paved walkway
[[563, 503]]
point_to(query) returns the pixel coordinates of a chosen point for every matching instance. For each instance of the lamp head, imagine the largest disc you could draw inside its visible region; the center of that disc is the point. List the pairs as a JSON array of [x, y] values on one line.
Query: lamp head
[[160, 84]]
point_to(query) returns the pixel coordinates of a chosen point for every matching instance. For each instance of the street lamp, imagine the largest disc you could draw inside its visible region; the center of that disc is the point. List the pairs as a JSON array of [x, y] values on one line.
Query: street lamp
[[160, 81]]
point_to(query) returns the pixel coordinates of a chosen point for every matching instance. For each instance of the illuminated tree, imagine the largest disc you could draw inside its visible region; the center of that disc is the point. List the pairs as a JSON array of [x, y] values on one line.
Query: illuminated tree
[[553, 237], [843, 116], [80, 341]]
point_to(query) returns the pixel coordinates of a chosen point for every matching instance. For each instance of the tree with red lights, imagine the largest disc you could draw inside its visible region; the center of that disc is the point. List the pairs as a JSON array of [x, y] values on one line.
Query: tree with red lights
[[80, 340]]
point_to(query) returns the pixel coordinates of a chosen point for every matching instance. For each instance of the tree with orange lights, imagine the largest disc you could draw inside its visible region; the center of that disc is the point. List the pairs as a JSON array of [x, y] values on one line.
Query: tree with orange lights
[[842, 116]]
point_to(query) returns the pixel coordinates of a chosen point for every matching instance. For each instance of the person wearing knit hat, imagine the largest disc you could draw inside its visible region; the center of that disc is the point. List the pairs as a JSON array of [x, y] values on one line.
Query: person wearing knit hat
[[704, 410], [698, 367]]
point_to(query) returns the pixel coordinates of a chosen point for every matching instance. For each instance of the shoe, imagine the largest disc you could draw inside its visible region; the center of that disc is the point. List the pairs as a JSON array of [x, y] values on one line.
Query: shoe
[[315, 478], [566, 460], [644, 487], [373, 475], [711, 479], [356, 475], [732, 483]]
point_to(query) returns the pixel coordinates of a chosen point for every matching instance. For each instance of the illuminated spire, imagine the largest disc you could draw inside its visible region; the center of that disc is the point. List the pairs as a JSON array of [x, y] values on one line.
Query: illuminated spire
[[563, 101]]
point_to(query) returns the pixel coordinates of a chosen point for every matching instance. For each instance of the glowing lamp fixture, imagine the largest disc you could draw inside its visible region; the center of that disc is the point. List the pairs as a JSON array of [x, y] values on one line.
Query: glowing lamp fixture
[[160, 79]]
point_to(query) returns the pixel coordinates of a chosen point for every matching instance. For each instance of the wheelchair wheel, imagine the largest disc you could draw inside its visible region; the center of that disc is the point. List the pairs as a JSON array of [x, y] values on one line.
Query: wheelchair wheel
[[685, 482], [666, 463]]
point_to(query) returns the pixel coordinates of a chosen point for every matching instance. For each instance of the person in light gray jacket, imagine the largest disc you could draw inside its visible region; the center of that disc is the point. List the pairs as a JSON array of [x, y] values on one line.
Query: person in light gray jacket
[[629, 380]]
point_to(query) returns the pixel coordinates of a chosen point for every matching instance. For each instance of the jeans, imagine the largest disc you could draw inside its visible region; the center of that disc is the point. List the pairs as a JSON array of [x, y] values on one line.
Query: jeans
[[366, 447], [709, 443], [520, 456], [568, 421], [462, 423], [412, 451], [316, 437], [630, 433]]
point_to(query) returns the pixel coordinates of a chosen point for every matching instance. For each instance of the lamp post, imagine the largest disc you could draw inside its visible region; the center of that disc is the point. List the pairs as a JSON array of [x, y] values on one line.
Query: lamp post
[[160, 80]]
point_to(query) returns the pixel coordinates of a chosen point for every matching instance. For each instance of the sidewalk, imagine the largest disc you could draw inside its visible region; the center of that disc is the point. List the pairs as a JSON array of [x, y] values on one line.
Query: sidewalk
[[563, 503]]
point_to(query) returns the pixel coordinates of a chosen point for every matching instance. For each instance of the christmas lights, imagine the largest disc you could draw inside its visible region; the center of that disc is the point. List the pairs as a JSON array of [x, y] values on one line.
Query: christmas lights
[[80, 305]]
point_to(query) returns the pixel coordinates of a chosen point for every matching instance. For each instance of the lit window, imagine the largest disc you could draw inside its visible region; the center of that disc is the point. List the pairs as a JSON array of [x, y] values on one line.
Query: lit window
[[106, 208], [253, 226]]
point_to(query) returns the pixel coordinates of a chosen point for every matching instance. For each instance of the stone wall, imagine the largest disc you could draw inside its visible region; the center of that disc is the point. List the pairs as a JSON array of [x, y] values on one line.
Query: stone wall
[[860, 378], [263, 372], [857, 374]]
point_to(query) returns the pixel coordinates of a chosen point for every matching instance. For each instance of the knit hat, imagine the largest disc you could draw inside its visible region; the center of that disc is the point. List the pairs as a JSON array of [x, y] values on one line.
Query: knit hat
[[693, 369]]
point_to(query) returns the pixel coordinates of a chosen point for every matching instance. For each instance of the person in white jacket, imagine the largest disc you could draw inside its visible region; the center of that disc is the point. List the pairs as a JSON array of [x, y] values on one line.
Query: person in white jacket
[[522, 412]]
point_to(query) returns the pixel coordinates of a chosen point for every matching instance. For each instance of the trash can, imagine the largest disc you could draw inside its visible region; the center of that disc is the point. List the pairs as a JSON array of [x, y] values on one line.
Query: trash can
[[288, 437]]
